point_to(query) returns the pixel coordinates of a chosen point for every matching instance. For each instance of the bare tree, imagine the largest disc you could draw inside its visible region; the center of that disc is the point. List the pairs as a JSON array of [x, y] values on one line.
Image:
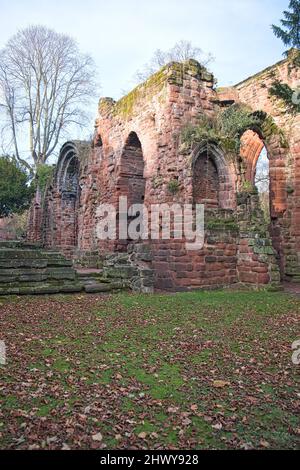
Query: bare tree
[[45, 84], [180, 52]]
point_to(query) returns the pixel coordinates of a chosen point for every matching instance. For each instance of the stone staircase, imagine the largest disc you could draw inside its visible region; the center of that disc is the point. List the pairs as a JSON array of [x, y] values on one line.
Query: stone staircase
[[29, 269], [293, 276], [94, 281], [132, 269], [292, 267]]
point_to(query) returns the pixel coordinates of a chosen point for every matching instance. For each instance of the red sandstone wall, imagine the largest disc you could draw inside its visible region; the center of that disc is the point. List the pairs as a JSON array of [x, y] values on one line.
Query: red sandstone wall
[[35, 215], [159, 112], [156, 112], [179, 269], [284, 163]]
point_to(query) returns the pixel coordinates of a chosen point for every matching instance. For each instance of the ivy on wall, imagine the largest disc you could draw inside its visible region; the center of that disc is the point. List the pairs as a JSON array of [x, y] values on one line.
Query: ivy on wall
[[287, 95], [44, 174], [226, 128]]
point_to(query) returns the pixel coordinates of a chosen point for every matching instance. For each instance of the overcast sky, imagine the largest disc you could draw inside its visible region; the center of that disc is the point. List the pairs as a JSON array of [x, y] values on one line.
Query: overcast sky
[[121, 35]]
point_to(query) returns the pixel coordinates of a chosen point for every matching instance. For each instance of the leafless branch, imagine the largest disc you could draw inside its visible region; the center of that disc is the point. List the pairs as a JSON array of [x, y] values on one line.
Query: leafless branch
[[45, 82], [180, 52]]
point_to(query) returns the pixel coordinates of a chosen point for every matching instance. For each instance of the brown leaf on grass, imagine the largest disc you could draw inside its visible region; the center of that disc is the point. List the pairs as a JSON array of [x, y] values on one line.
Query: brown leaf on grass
[[65, 447], [97, 437], [220, 383], [217, 426], [186, 422], [173, 409], [264, 444]]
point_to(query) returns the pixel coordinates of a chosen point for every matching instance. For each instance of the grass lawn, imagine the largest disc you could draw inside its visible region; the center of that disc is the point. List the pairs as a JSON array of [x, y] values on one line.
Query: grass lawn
[[202, 370]]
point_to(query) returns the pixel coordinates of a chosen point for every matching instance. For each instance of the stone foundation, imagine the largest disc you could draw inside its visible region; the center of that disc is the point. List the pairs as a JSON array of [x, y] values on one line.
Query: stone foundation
[[132, 269]]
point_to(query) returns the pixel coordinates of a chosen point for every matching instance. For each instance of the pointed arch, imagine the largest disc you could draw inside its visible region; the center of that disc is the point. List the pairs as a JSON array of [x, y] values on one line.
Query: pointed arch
[[67, 175], [252, 144], [68, 189], [131, 181], [213, 178]]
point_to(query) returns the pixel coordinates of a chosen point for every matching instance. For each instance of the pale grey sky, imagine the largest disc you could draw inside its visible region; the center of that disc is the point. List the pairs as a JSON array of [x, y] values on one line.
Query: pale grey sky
[[121, 35]]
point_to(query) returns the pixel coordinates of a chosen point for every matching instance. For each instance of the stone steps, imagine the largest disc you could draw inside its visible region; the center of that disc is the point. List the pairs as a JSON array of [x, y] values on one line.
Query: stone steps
[[293, 275], [94, 282], [38, 288], [29, 269], [29, 254], [88, 260]]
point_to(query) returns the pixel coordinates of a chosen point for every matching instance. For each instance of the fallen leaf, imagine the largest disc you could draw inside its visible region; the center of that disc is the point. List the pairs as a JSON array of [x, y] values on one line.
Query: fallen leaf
[[97, 437], [186, 422], [173, 409], [264, 444], [65, 447], [247, 446], [217, 426], [220, 383]]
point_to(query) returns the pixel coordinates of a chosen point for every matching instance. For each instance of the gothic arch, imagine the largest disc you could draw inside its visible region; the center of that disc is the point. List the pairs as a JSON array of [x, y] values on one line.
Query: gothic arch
[[68, 190], [131, 181], [67, 177], [213, 174], [130, 177], [252, 143]]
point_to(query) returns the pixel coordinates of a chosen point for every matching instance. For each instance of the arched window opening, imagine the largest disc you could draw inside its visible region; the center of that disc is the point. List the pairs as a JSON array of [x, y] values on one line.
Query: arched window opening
[[256, 159], [70, 182], [131, 181], [133, 140], [69, 190], [206, 184], [262, 182]]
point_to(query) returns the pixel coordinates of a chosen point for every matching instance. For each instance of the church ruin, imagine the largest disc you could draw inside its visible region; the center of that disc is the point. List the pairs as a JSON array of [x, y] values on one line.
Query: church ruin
[[138, 151]]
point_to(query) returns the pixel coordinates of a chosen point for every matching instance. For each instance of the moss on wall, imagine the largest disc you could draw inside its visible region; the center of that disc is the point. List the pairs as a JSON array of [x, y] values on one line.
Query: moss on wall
[[171, 74]]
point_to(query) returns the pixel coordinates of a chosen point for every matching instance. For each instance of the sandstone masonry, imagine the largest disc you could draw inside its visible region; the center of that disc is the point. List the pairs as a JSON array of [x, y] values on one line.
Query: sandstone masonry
[[138, 151]]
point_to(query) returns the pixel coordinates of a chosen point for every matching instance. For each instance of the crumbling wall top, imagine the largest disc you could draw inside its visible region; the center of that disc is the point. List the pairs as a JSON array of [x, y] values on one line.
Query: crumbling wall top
[[171, 74]]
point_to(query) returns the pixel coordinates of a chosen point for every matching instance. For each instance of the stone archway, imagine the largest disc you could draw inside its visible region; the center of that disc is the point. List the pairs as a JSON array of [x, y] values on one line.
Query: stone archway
[[213, 178], [67, 183], [131, 181], [253, 142], [257, 167]]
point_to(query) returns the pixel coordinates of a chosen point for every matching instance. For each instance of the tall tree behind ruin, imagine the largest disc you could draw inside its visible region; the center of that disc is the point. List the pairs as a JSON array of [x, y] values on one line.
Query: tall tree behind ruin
[[289, 32], [180, 52], [45, 85]]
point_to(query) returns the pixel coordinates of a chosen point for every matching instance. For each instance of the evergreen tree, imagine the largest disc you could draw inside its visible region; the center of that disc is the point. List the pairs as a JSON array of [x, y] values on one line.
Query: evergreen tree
[[16, 191], [289, 32]]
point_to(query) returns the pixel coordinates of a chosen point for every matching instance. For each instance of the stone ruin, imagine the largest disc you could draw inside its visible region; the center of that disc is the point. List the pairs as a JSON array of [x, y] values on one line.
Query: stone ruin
[[138, 151]]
